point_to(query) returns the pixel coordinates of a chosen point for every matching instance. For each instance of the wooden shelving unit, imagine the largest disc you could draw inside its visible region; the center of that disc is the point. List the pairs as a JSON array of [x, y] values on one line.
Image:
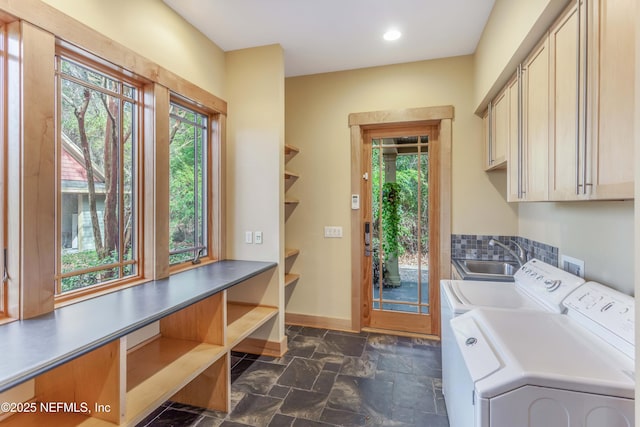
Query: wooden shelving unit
[[243, 319], [188, 362], [159, 369], [290, 203]]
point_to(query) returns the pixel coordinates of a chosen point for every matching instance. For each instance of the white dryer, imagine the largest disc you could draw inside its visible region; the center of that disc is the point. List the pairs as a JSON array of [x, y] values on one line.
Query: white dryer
[[539, 369], [537, 286]]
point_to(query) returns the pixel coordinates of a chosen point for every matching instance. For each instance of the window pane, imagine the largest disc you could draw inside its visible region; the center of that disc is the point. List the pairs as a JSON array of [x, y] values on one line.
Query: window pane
[[97, 176], [187, 184]]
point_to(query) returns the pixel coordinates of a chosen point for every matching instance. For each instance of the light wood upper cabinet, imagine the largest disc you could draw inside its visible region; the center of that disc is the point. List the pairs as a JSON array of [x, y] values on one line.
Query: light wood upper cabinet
[[535, 131], [610, 114], [514, 143], [497, 132], [566, 141], [591, 145], [577, 107]]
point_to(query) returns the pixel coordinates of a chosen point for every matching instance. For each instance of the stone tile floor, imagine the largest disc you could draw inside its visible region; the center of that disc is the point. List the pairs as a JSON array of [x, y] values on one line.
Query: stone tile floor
[[328, 378]]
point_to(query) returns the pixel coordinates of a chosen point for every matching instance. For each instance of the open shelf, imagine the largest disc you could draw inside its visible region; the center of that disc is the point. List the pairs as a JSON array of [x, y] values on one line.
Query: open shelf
[[291, 201], [290, 150], [156, 371], [290, 175], [290, 252], [243, 319], [66, 419], [290, 278]]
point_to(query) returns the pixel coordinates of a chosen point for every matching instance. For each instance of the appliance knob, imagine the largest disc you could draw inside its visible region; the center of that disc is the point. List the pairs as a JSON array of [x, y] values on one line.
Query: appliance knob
[[471, 341], [553, 285]]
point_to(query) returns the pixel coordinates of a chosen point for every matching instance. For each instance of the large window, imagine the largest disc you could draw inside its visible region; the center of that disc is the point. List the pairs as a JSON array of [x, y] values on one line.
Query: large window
[[97, 176], [188, 172]]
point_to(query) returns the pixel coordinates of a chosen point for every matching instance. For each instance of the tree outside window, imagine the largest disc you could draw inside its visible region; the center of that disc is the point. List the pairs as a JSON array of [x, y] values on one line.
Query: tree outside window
[[97, 176], [188, 172]]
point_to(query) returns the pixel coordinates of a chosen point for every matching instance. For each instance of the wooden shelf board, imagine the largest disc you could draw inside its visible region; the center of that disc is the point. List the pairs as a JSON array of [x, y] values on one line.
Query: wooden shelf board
[[244, 319], [291, 149], [290, 279], [61, 419], [291, 252], [290, 175], [291, 201], [156, 371]]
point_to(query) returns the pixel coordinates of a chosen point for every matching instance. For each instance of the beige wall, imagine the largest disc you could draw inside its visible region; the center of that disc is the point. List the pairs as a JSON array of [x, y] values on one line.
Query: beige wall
[[317, 108], [152, 29], [514, 27], [255, 158], [600, 233]]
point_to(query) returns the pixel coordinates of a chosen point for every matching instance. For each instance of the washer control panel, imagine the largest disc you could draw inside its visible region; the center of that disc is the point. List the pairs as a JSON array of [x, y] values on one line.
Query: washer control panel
[[546, 284]]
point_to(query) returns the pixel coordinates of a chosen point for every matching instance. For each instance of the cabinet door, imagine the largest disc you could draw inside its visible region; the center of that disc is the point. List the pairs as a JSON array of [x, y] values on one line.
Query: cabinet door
[[486, 138], [514, 146], [566, 140], [499, 131], [536, 122], [611, 86]]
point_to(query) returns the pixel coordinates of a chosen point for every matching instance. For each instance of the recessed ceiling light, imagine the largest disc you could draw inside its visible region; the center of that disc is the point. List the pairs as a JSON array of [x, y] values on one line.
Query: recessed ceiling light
[[392, 35]]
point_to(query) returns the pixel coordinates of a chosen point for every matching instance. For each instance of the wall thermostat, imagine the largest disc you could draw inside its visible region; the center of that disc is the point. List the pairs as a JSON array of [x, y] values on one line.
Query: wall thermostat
[[355, 201]]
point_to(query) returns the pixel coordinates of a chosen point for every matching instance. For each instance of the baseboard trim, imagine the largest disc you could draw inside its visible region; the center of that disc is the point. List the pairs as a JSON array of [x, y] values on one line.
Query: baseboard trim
[[262, 347], [402, 333], [318, 322]]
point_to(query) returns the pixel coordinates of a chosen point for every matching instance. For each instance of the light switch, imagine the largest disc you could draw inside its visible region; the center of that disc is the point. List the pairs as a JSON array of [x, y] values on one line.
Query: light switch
[[332, 232], [248, 237]]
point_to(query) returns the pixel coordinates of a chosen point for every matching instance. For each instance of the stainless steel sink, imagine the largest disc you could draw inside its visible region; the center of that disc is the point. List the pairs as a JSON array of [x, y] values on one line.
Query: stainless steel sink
[[473, 269]]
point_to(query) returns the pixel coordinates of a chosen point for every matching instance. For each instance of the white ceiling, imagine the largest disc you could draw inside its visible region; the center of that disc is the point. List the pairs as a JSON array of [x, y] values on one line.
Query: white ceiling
[[332, 35]]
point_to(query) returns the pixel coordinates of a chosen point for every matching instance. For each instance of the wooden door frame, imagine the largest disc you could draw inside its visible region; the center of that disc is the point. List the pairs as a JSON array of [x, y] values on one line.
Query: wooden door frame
[[359, 123]]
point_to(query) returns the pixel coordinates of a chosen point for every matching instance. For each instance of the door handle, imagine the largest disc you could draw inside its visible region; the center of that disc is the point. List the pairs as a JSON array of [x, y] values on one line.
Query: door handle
[[367, 239]]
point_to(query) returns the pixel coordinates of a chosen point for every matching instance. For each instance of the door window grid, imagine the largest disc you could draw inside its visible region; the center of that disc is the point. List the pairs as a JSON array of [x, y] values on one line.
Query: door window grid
[[407, 146]]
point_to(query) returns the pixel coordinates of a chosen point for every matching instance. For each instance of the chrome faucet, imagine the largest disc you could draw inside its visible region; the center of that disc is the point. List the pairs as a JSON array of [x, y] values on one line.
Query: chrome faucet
[[521, 256]]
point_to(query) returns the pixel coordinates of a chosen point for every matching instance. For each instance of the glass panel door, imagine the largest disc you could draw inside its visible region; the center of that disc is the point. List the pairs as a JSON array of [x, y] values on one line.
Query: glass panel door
[[400, 224]]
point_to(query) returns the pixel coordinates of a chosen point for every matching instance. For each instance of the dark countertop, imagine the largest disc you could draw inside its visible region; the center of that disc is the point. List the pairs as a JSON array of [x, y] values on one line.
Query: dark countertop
[[33, 346]]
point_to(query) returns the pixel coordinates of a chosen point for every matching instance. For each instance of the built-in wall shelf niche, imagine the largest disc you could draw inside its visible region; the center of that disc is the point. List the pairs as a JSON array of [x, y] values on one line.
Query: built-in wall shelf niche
[[290, 254]]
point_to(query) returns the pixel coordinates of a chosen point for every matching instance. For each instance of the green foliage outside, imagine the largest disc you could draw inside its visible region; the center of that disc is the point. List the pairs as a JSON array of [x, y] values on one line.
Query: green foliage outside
[[391, 199], [410, 175]]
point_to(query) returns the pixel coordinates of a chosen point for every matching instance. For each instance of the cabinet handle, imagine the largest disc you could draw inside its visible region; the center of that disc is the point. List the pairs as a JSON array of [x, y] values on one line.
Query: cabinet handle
[[585, 63], [520, 131], [490, 136], [579, 111]]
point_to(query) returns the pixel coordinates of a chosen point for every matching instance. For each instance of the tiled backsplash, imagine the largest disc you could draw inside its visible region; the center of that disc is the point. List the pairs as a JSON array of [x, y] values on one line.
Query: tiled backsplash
[[472, 246]]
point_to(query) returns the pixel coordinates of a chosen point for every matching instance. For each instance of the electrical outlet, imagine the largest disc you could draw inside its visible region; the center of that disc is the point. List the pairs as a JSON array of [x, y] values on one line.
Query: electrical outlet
[[572, 265], [257, 236]]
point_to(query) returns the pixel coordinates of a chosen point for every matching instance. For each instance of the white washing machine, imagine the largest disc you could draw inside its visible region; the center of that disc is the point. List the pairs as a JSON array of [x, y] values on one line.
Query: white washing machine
[[537, 286], [540, 369]]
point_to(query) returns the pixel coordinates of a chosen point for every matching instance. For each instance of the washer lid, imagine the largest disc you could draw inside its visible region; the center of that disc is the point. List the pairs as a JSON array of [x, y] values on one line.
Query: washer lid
[[464, 295], [542, 349]]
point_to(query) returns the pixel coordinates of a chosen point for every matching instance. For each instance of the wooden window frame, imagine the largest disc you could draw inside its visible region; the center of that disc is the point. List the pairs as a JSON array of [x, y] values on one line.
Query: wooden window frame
[[209, 195], [87, 60], [34, 32]]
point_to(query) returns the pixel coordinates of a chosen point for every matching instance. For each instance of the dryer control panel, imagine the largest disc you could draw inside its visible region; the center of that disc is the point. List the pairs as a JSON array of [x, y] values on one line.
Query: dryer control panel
[[546, 284], [608, 313]]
